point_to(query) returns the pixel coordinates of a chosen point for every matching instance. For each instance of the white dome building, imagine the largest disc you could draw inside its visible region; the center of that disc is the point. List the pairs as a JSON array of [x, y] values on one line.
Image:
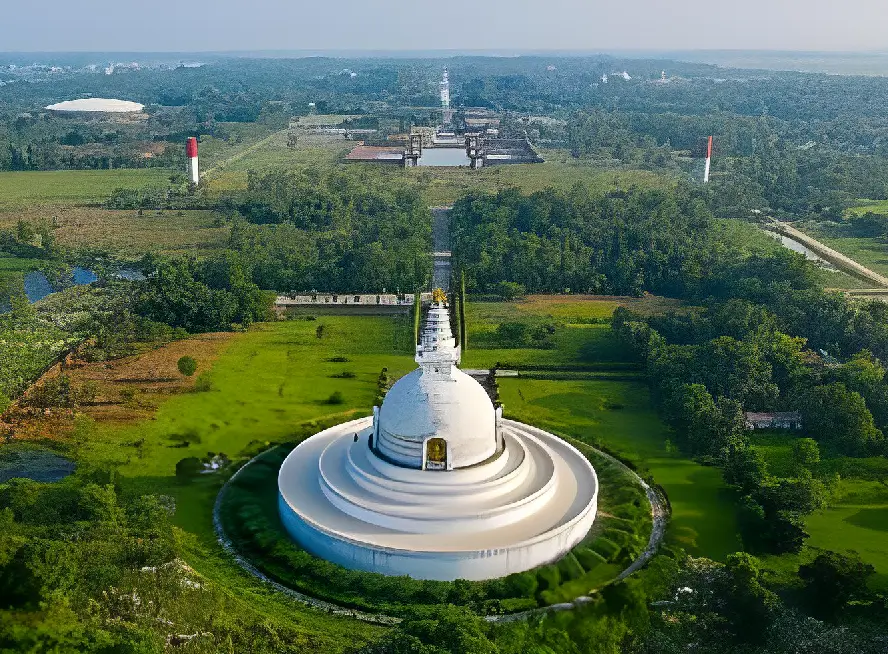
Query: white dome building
[[437, 485]]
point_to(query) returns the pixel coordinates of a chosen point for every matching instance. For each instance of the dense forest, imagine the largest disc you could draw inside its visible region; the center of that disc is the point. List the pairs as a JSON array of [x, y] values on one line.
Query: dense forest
[[620, 243]]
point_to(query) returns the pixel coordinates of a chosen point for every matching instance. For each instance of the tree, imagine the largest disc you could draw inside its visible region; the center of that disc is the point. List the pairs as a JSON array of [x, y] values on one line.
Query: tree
[[188, 468], [5, 403], [509, 290], [746, 469], [832, 580], [187, 366], [805, 453], [840, 417]]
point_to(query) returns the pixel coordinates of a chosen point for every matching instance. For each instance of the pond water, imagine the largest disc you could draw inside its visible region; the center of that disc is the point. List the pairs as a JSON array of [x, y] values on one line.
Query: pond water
[[37, 286], [810, 255], [444, 157], [18, 461]]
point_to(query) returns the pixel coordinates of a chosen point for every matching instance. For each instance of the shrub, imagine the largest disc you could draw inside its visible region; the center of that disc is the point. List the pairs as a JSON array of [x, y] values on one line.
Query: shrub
[[336, 398], [188, 468], [345, 374], [588, 558], [187, 366], [608, 549], [203, 383]]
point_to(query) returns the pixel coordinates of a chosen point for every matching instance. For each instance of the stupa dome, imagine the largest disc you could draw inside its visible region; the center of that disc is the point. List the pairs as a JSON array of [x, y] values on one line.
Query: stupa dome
[[437, 417], [455, 409]]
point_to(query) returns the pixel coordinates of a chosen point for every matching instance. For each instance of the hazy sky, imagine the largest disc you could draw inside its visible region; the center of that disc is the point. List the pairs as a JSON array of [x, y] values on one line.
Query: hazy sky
[[183, 25]]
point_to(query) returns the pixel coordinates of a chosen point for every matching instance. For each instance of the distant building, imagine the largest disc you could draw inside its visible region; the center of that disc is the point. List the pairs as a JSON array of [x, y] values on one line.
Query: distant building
[[778, 420]]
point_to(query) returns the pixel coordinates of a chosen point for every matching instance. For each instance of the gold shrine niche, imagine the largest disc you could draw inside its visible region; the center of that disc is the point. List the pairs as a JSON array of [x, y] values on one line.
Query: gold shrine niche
[[436, 454]]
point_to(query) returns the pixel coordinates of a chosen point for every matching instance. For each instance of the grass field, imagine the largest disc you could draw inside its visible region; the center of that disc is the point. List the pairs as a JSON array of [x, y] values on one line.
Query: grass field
[[857, 516], [612, 412], [619, 416], [870, 252], [583, 336], [126, 234], [267, 385], [869, 206], [438, 186], [20, 190]]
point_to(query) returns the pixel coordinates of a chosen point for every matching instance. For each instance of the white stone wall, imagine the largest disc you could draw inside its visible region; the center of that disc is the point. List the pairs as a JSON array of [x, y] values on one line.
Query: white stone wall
[[442, 566]]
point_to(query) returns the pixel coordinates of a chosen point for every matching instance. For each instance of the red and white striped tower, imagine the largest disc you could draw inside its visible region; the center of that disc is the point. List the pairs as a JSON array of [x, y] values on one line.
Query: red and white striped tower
[[191, 153], [708, 162]]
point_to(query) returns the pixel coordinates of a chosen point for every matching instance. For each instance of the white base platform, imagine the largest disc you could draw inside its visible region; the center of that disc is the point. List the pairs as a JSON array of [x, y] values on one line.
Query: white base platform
[[526, 508]]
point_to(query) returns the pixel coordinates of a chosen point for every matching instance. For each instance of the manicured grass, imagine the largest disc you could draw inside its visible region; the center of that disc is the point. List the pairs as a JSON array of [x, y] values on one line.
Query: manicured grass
[[268, 385], [621, 531], [619, 416], [71, 187], [582, 335], [857, 516]]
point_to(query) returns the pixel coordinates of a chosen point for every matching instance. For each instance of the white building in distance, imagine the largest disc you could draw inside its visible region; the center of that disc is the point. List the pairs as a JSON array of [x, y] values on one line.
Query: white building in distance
[[436, 484]]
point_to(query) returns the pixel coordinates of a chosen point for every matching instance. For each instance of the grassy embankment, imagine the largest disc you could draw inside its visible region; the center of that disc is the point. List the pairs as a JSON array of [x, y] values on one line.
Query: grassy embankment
[[606, 403], [752, 239], [871, 252]]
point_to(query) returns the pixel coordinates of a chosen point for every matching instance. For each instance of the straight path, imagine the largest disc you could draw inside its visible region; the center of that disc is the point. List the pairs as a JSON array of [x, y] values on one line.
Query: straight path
[[441, 267]]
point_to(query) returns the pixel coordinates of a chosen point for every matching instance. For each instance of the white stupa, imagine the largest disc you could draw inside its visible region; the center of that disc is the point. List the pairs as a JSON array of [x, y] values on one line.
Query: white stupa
[[436, 484]]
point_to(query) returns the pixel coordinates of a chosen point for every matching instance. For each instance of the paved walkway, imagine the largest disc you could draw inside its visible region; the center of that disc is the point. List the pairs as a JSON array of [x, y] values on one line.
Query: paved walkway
[[441, 248]]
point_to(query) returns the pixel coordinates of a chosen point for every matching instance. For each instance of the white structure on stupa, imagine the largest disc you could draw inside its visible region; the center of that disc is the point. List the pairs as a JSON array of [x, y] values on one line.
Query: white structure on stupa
[[436, 484]]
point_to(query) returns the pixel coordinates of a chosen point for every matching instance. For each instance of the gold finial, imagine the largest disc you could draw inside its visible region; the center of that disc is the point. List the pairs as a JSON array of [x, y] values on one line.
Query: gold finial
[[438, 295]]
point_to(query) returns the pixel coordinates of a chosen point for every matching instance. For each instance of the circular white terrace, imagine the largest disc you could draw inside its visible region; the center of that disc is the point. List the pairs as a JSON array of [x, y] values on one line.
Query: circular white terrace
[[525, 508]]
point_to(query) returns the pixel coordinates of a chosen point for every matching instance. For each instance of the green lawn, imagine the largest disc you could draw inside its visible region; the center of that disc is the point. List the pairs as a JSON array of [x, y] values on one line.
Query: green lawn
[[619, 416], [857, 516], [71, 187], [580, 339], [268, 385]]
